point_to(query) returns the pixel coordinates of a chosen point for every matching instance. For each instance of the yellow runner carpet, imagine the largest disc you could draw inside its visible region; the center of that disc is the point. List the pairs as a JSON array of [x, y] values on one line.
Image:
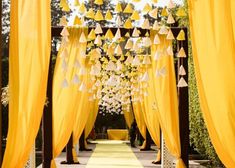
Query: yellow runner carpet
[[113, 155]]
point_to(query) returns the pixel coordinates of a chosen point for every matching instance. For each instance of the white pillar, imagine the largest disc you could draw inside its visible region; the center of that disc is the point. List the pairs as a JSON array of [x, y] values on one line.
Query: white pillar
[[167, 158]]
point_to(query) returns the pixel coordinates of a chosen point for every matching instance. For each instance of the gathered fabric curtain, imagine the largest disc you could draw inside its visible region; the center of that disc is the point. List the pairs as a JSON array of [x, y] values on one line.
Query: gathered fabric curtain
[[129, 117], [66, 93], [139, 117], [150, 112], [213, 41], [29, 56], [91, 118], [166, 96]]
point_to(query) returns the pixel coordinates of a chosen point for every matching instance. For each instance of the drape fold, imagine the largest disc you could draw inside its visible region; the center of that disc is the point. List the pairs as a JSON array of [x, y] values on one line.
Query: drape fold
[[30, 41], [213, 42]]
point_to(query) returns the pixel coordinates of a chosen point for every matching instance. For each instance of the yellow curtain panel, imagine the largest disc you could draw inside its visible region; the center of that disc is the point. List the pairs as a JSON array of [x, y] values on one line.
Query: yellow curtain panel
[[30, 43], [91, 118], [129, 117], [166, 96], [213, 39], [66, 90]]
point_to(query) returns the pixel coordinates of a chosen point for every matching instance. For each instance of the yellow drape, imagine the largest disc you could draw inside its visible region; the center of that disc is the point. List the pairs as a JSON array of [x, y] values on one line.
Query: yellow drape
[[129, 117], [213, 40], [65, 98], [139, 119], [166, 95], [83, 111], [91, 118], [30, 42]]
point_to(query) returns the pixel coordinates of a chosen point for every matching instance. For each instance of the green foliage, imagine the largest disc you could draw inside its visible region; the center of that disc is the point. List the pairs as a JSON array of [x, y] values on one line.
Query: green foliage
[[199, 137]]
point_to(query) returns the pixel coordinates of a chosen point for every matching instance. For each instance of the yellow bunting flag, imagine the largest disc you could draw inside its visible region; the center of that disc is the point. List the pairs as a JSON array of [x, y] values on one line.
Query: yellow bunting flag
[[99, 2], [118, 7], [64, 5], [156, 25], [181, 36], [82, 8], [109, 34], [108, 15], [135, 15], [147, 8], [128, 9], [164, 12], [64, 32], [98, 40], [90, 14], [136, 1], [127, 35], [155, 1], [181, 53], [129, 44], [92, 35], [76, 3], [181, 12], [77, 21], [170, 35], [128, 24], [99, 16], [156, 39]]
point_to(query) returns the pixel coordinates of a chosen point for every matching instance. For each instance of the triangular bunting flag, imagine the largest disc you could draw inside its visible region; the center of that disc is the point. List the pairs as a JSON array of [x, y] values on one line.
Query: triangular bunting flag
[[98, 40], [64, 5], [82, 38], [82, 8], [156, 39], [146, 8], [146, 60], [163, 30], [154, 13], [170, 35], [136, 61], [181, 36], [91, 35], [182, 71], [63, 21], [181, 12], [118, 7], [77, 21], [129, 44], [135, 16], [118, 35], [108, 16], [109, 34], [82, 87], [64, 32], [182, 83], [90, 14], [119, 21], [156, 25], [118, 50], [170, 19], [146, 24], [98, 29], [128, 24], [164, 12], [128, 9], [181, 53], [76, 3], [170, 50], [99, 16]]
